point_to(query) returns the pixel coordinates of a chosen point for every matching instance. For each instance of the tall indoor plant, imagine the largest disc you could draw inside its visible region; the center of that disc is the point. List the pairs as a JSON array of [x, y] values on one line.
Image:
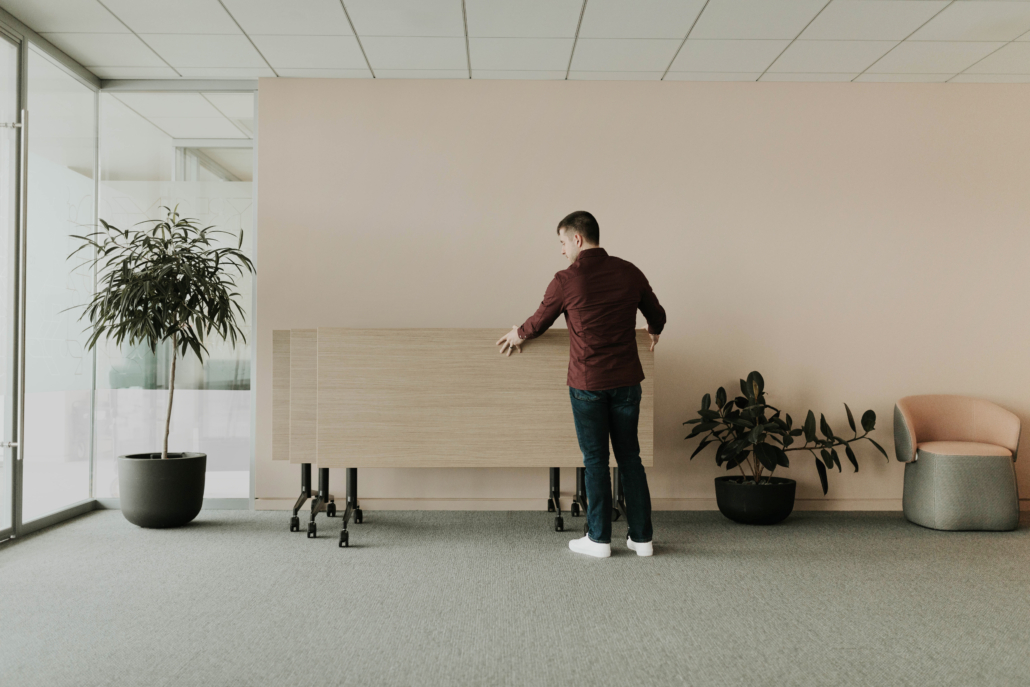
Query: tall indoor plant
[[167, 281], [754, 435]]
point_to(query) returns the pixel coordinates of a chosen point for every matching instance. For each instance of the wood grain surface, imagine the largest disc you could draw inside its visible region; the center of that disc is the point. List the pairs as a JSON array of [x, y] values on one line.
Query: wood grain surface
[[447, 398], [303, 394], [281, 394]]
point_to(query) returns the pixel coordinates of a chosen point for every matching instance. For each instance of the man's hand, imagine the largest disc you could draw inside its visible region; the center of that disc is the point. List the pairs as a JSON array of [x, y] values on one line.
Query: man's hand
[[510, 341], [654, 340]]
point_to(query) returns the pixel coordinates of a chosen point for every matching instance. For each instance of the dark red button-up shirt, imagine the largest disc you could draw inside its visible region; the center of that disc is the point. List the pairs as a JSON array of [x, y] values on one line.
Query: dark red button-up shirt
[[599, 296]]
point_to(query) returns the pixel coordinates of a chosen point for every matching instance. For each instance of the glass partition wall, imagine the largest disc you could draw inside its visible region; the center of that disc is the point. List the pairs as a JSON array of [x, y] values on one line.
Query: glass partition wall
[[122, 156]]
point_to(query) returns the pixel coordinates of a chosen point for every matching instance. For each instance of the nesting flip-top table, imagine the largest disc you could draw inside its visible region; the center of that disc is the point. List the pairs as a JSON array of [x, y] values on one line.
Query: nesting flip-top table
[[428, 398]]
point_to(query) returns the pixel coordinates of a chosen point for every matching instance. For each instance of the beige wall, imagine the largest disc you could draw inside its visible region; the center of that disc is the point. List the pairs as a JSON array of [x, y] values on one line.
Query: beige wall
[[853, 242]]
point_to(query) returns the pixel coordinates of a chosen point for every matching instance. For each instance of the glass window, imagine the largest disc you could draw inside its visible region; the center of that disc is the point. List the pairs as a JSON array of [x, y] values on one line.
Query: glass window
[[150, 158], [58, 368], [9, 116]]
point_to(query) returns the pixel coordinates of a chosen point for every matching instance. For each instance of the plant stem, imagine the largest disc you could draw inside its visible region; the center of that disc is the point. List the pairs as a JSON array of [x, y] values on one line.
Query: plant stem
[[171, 394]]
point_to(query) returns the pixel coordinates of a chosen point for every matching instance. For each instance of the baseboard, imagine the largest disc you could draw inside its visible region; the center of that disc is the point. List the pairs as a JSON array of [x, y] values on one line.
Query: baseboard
[[539, 504], [209, 504]]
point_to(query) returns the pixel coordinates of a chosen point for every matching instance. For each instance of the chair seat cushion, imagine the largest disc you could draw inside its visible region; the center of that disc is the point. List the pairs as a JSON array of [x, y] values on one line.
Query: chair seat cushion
[[963, 448]]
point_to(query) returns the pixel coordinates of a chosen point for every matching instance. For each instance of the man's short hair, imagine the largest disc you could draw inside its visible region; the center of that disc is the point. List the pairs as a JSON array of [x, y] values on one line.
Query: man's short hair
[[583, 223]]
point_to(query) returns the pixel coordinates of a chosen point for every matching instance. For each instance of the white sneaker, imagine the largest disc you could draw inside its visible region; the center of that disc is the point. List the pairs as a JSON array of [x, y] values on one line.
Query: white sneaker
[[591, 548], [642, 548]]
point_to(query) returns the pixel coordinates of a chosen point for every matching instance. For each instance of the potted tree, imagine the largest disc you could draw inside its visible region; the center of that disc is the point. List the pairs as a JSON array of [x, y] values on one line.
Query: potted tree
[[752, 434], [169, 281]]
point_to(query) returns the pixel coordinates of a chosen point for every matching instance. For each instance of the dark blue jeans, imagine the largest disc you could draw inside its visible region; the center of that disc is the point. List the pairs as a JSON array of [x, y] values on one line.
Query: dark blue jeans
[[614, 413]]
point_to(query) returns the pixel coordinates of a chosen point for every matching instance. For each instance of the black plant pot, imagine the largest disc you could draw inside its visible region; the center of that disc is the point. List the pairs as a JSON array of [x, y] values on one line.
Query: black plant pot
[[755, 504], [158, 492]]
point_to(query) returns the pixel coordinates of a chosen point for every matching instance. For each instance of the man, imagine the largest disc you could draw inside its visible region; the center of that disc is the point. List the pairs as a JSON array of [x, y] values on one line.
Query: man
[[599, 296]]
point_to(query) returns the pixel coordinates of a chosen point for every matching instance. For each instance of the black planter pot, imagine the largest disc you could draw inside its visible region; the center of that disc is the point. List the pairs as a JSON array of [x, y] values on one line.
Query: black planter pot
[[755, 504], [158, 492]]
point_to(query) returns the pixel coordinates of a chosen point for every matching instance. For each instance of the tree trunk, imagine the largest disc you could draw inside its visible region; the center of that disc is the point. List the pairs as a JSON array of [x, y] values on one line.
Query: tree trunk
[[171, 394]]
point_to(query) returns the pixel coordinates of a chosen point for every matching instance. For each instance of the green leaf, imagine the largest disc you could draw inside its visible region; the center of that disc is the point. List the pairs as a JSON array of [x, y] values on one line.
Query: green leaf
[[824, 427], [747, 390], [869, 420], [810, 427], [879, 448], [822, 476], [766, 456], [700, 447], [851, 418], [720, 397], [706, 402], [827, 458], [836, 458], [781, 456], [851, 456]]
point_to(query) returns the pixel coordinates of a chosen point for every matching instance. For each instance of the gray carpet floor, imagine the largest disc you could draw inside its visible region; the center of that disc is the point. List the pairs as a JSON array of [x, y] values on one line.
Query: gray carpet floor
[[496, 598]]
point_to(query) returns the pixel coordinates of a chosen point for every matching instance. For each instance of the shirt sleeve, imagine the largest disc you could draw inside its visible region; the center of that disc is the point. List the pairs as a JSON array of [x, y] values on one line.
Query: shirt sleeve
[[654, 313], [552, 306]]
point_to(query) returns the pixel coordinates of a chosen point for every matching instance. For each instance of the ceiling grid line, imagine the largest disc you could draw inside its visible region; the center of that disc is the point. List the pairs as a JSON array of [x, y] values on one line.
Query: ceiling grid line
[[358, 38], [770, 65], [575, 39], [231, 120], [905, 39], [140, 38], [249, 39], [689, 31], [465, 21], [986, 56]]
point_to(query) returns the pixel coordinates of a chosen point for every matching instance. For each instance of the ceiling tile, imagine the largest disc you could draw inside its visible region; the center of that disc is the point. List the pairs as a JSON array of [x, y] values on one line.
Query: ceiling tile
[[913, 57], [727, 56], [1014, 58], [991, 78], [830, 56], [59, 16], [756, 18], [152, 105], [290, 17], [326, 73], [422, 73], [225, 72], [205, 51], [134, 72], [406, 17], [639, 19], [615, 76], [531, 75], [712, 76], [106, 49], [197, 127], [523, 19], [520, 53], [624, 54], [871, 19], [415, 53], [905, 78], [181, 16], [234, 105], [990, 20], [311, 52], [810, 76]]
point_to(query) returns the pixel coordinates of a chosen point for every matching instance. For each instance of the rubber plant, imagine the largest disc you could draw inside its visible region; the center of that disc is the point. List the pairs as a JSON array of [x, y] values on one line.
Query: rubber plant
[[755, 435], [171, 280]]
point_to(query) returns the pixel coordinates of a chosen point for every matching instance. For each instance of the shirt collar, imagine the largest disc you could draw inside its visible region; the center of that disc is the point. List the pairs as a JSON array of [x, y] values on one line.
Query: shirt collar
[[597, 252]]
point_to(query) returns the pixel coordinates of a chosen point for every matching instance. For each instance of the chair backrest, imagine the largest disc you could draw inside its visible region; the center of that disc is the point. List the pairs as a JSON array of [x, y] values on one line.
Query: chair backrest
[[960, 418]]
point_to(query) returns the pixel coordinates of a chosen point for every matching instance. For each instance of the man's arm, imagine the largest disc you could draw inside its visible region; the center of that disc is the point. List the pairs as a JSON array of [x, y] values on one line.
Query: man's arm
[[654, 313], [552, 306]]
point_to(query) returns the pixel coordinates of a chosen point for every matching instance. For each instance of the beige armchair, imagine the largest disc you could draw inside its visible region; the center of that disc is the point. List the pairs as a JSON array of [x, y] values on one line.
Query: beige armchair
[[959, 454]]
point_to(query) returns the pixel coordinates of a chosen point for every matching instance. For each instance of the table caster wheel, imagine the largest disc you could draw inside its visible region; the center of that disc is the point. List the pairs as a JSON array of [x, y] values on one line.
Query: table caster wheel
[[575, 509], [330, 510], [559, 524], [344, 539], [615, 514], [311, 530], [294, 524], [358, 518], [550, 505]]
